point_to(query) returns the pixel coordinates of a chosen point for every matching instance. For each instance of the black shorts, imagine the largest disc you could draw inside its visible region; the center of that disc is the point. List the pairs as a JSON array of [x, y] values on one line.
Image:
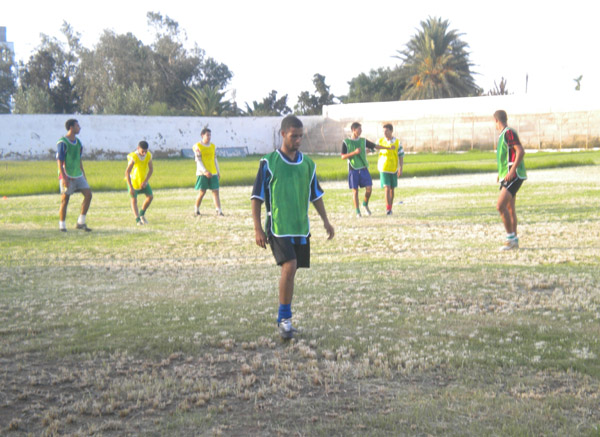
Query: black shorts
[[512, 186], [283, 251]]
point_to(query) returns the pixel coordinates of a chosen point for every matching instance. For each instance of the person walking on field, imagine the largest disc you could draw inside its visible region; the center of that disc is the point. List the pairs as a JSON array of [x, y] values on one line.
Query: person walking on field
[[71, 175], [287, 183], [207, 171], [511, 174], [137, 174], [390, 164], [354, 150]]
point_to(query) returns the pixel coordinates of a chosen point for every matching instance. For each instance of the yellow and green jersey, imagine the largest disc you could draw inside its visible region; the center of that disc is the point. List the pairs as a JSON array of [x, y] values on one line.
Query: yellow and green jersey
[[140, 169], [206, 156], [389, 160]]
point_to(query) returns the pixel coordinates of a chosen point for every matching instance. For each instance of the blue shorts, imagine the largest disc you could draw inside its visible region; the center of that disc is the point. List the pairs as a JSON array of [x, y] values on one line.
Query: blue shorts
[[359, 178]]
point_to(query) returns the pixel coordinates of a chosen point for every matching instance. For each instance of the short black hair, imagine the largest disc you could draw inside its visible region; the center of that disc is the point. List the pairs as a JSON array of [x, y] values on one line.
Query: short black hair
[[389, 126], [70, 123], [143, 144], [291, 121], [501, 116], [355, 125], [203, 131]]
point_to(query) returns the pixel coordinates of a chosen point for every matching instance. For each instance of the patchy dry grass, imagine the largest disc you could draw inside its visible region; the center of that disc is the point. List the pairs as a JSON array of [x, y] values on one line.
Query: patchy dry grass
[[412, 324]]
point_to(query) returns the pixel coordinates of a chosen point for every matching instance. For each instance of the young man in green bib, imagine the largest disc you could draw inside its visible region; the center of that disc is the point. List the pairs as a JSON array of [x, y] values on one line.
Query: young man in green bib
[[511, 174], [71, 175], [354, 149], [287, 183]]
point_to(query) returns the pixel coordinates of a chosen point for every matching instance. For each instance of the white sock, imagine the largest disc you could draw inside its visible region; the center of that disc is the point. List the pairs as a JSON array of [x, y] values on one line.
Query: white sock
[[62, 225], [196, 210], [511, 236], [81, 220]]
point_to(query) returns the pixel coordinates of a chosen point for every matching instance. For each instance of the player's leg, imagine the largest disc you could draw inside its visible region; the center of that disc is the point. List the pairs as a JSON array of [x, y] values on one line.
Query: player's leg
[[368, 192], [134, 208], [199, 200], [355, 200], [62, 212], [217, 201], [505, 199], [512, 213]]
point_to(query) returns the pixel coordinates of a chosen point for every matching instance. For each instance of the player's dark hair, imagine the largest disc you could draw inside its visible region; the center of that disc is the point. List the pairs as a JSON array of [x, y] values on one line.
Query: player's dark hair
[[143, 144], [501, 116], [70, 123], [355, 125], [203, 131], [389, 126], [291, 121]]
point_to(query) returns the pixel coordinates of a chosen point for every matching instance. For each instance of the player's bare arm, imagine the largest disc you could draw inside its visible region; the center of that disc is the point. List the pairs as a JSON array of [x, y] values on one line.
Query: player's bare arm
[[259, 234]]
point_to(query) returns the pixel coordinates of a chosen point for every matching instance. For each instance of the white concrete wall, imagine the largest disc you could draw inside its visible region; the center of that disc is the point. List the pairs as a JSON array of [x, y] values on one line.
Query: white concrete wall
[[104, 136], [427, 125]]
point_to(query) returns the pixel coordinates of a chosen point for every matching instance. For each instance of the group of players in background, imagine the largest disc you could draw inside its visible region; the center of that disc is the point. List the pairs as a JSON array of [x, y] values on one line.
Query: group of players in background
[[286, 183]]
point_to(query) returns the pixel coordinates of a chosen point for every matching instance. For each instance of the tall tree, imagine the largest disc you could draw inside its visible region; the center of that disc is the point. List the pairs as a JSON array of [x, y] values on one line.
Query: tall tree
[[312, 104], [381, 85], [8, 83], [117, 60], [53, 68], [270, 106], [175, 68], [436, 63]]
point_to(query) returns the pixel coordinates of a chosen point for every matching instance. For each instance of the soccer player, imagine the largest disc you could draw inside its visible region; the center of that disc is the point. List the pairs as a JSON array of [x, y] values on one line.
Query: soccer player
[[511, 174], [71, 175], [207, 171], [286, 183], [137, 174], [390, 164], [354, 150]]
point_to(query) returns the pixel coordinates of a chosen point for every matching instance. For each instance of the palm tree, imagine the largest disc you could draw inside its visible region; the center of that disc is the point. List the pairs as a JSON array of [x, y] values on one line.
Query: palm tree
[[207, 101], [436, 63]]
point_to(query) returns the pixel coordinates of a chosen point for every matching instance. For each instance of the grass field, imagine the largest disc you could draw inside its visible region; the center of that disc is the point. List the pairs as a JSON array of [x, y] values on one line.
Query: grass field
[[413, 324], [40, 177]]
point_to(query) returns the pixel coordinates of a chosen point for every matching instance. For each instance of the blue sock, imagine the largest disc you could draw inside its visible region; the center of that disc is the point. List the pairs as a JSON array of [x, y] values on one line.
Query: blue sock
[[285, 312]]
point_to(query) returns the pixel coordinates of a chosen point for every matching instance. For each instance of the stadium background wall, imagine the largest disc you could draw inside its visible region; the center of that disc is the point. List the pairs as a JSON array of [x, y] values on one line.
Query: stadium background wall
[[543, 122]]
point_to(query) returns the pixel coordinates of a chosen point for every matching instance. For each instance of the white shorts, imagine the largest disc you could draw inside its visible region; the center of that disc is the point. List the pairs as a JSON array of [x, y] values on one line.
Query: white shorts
[[75, 185]]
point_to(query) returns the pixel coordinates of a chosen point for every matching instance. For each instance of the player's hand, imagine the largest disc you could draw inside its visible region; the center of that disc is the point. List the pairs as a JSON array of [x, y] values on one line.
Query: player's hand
[[329, 229], [66, 182], [509, 177], [260, 238], [399, 173], [208, 174]]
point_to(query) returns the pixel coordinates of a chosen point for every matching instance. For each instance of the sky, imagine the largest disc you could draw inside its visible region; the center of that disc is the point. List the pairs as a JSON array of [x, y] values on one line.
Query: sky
[[538, 47]]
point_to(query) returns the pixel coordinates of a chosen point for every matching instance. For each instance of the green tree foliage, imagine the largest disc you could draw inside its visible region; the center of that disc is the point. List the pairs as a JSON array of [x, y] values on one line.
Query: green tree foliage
[[312, 104], [208, 101], [436, 63], [53, 68], [116, 64], [132, 101], [381, 85], [33, 100], [270, 106], [8, 83]]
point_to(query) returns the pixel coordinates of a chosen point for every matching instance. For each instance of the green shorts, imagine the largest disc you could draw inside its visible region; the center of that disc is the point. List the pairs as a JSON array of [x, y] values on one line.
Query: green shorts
[[203, 183], [147, 191], [388, 179]]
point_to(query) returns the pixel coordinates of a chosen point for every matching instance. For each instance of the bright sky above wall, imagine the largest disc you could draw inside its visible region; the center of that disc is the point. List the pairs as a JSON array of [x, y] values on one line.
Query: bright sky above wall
[[274, 45]]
